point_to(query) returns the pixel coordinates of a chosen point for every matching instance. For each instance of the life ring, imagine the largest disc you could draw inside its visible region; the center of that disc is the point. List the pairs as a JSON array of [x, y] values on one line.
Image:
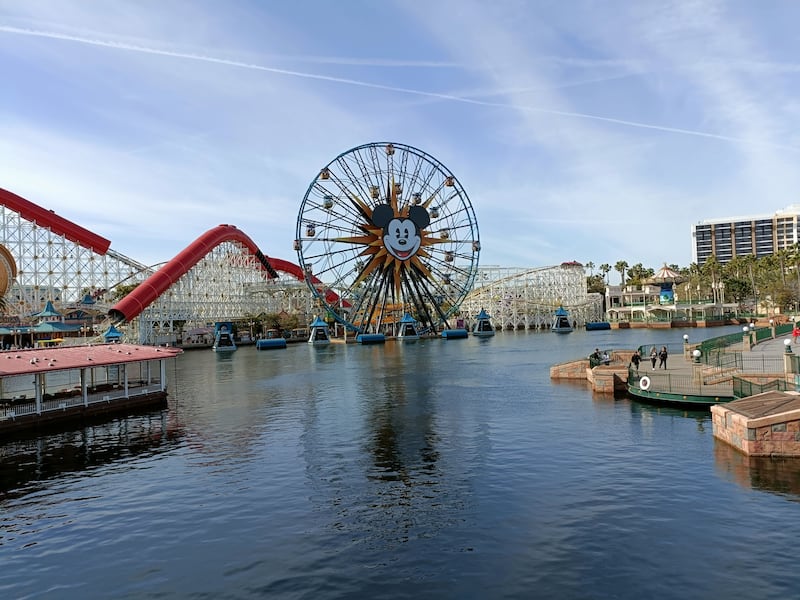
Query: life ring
[[644, 383]]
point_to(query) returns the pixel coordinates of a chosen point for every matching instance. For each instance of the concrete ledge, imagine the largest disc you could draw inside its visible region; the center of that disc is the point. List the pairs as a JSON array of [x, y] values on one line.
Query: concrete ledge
[[767, 424]]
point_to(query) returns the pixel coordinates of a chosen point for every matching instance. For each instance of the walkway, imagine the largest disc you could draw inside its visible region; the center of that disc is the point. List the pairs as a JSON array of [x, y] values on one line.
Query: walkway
[[698, 383]]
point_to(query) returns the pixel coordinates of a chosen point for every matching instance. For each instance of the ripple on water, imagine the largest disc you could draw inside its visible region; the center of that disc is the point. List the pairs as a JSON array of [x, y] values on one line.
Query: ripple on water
[[446, 469]]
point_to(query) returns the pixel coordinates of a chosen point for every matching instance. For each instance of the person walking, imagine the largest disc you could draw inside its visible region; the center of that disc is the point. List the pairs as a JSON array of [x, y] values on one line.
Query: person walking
[[653, 357], [635, 360], [795, 333], [662, 356]]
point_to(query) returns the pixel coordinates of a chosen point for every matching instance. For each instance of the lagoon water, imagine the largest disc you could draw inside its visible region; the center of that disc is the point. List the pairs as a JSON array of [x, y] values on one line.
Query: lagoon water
[[441, 469]]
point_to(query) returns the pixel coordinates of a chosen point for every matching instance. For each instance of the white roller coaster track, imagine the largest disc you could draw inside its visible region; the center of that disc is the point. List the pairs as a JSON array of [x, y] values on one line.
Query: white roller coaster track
[[227, 284], [520, 298]]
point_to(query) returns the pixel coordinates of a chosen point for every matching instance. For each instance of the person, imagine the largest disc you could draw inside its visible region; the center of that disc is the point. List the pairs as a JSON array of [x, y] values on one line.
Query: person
[[795, 333], [595, 357], [606, 358], [635, 361], [662, 357], [653, 357]]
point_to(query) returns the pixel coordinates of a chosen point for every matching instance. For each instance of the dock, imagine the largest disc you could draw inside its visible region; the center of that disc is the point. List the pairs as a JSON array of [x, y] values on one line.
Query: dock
[[52, 386], [752, 387]]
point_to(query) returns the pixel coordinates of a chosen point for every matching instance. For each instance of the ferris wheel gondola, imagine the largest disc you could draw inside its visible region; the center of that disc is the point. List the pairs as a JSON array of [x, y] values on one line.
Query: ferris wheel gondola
[[385, 229]]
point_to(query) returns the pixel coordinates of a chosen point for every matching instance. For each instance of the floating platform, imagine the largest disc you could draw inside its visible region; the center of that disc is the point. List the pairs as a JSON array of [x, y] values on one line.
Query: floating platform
[[371, 338], [454, 333], [56, 386], [271, 344], [597, 325], [766, 424]]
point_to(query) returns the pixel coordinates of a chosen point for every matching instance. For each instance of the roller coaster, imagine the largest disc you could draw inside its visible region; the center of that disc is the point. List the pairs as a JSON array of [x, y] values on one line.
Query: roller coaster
[[220, 276]]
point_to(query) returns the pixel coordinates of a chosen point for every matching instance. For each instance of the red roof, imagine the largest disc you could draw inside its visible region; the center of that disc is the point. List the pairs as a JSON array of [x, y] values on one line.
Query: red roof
[[61, 358]]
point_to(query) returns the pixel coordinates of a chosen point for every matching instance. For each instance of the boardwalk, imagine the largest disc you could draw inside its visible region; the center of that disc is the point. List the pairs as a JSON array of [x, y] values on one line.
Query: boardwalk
[[700, 382]]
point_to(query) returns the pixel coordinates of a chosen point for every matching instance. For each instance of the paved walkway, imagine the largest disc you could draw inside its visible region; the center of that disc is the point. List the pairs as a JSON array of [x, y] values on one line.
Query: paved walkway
[[683, 376]]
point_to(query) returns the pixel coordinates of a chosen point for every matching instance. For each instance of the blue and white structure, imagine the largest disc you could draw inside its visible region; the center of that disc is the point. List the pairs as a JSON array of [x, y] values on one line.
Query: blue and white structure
[[483, 328], [318, 333], [408, 329]]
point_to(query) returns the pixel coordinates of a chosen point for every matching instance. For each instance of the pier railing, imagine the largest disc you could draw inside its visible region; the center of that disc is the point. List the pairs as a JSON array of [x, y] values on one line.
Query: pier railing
[[720, 371], [686, 384], [743, 388], [28, 407]]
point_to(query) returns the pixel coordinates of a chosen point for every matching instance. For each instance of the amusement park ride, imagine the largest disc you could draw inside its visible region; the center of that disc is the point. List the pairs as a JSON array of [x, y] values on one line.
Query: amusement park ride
[[384, 230]]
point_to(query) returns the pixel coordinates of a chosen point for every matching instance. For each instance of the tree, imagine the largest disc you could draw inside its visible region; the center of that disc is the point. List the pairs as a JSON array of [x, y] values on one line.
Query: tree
[[620, 267], [123, 290], [595, 283], [590, 266], [605, 269], [637, 274], [711, 270]]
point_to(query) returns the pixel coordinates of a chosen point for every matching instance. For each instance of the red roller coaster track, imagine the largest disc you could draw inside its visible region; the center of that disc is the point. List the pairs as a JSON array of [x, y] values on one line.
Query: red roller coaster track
[[149, 290], [58, 225], [159, 282]]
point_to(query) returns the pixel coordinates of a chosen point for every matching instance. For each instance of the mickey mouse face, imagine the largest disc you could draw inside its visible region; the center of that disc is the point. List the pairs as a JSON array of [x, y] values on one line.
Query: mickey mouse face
[[401, 236]]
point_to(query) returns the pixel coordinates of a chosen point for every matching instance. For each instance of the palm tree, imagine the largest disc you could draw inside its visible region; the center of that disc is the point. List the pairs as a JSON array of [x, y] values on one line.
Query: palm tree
[[749, 263], [620, 267], [590, 266], [711, 269], [605, 269]]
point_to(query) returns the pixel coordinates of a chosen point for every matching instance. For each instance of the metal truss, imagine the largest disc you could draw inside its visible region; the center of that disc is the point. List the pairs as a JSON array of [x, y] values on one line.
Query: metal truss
[[51, 267], [227, 284], [519, 298]]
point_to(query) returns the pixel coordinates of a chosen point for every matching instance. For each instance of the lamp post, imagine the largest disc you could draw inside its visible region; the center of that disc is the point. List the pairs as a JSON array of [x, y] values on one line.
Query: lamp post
[[790, 362], [686, 345], [697, 370]]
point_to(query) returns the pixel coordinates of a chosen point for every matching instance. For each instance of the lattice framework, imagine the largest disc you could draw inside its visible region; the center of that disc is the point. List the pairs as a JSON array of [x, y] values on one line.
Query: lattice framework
[[525, 298], [51, 267]]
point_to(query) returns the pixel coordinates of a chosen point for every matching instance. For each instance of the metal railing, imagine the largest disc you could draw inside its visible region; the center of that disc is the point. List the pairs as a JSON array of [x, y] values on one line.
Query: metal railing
[[21, 409], [680, 383], [743, 388]]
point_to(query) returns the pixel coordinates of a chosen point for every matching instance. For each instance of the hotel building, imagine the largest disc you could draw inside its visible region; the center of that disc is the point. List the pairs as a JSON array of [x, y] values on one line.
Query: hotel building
[[739, 236]]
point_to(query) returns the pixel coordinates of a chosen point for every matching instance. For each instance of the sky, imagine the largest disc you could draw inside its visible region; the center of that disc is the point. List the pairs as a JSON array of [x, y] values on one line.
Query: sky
[[580, 130]]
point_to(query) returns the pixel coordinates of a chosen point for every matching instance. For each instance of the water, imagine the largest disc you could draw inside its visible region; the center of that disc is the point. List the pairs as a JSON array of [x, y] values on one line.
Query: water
[[441, 469]]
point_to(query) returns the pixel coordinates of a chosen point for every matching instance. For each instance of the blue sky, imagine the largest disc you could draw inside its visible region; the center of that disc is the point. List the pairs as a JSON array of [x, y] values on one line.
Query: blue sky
[[581, 130]]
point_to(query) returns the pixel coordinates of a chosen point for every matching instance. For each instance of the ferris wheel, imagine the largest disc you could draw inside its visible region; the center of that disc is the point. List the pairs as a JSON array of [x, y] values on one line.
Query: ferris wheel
[[385, 229]]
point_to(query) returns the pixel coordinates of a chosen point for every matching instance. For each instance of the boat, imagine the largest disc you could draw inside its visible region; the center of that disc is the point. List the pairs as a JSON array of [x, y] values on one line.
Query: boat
[[597, 325], [561, 322], [318, 335], [408, 329], [483, 328], [223, 339]]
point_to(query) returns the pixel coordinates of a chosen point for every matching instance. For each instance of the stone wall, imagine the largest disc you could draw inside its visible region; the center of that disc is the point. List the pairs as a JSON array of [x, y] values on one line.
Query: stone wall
[[773, 435]]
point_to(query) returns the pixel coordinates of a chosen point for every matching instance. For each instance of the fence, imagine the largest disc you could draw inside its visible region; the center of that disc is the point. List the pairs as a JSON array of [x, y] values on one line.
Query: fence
[[742, 388]]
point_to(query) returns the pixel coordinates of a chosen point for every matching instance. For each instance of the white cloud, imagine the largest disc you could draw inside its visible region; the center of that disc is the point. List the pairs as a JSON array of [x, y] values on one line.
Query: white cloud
[[580, 131]]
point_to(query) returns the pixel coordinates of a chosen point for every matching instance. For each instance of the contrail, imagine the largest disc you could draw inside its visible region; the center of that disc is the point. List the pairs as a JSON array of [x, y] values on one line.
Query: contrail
[[377, 86]]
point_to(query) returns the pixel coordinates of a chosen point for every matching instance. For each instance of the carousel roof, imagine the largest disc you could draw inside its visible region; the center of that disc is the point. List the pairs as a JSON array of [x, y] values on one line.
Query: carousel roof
[[665, 275]]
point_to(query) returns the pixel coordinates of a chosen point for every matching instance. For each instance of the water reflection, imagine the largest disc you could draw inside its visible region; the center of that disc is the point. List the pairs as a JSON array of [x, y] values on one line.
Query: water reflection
[[26, 464], [778, 475]]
